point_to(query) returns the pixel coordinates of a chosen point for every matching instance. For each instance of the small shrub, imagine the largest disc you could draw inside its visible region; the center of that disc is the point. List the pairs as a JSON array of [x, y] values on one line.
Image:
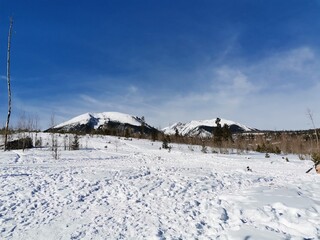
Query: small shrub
[[258, 149], [22, 143], [204, 149], [165, 142], [75, 144], [38, 143], [315, 158], [277, 150], [214, 151], [226, 151]]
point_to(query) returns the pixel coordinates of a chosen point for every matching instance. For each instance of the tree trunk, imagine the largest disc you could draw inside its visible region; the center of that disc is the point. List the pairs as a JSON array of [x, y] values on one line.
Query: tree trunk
[[9, 86]]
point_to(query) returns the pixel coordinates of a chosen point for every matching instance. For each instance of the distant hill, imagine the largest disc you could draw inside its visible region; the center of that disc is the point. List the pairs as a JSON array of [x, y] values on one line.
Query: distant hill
[[107, 122], [204, 128]]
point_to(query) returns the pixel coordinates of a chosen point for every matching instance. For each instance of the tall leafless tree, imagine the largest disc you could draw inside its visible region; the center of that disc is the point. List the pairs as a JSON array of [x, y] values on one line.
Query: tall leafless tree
[[9, 85], [310, 115], [54, 139]]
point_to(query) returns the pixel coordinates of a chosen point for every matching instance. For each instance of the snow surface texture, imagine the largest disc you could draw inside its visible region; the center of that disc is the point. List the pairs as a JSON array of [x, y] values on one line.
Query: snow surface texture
[[193, 128], [119, 189], [99, 119]]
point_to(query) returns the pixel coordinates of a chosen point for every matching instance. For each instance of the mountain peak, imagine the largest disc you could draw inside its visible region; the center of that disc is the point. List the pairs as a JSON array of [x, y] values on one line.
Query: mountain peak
[[204, 128], [104, 121]]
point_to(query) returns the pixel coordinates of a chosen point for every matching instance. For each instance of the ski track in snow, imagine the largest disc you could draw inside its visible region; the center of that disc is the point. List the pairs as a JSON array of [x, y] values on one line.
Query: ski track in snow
[[133, 190]]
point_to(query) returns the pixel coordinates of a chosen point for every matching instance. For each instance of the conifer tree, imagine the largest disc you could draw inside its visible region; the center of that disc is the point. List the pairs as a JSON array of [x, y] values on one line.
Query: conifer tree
[[154, 134], [143, 124], [217, 132], [226, 132]]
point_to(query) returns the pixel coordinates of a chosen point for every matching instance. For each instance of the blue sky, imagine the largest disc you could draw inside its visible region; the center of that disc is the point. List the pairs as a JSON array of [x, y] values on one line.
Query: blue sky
[[252, 61]]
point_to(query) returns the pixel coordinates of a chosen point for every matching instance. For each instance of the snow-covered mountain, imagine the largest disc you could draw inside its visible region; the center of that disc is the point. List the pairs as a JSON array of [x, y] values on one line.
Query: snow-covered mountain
[[89, 122], [204, 128]]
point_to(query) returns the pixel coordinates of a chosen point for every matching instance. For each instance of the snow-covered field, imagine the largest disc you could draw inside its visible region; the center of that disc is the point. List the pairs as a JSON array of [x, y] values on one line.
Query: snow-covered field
[[119, 189]]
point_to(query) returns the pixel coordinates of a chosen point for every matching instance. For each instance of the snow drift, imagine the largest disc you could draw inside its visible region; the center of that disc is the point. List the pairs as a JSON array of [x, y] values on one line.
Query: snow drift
[[119, 189]]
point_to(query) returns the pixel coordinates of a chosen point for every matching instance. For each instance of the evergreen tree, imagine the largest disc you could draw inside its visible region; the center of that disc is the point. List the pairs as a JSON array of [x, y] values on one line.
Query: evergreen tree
[[165, 142], [217, 132], [143, 124], [226, 133], [154, 134], [176, 134], [126, 133]]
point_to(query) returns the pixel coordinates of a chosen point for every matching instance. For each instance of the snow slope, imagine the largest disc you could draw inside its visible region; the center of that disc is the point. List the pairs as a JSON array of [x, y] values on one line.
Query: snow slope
[[118, 189], [198, 128]]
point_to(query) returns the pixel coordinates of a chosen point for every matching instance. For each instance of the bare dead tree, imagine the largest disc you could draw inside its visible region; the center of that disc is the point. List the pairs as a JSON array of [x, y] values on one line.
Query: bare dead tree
[[310, 115], [9, 85], [54, 139]]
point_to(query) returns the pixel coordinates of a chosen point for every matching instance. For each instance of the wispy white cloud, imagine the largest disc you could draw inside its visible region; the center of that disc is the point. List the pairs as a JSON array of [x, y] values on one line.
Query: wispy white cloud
[[272, 93], [295, 60], [88, 100], [296, 68], [233, 83], [132, 89]]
